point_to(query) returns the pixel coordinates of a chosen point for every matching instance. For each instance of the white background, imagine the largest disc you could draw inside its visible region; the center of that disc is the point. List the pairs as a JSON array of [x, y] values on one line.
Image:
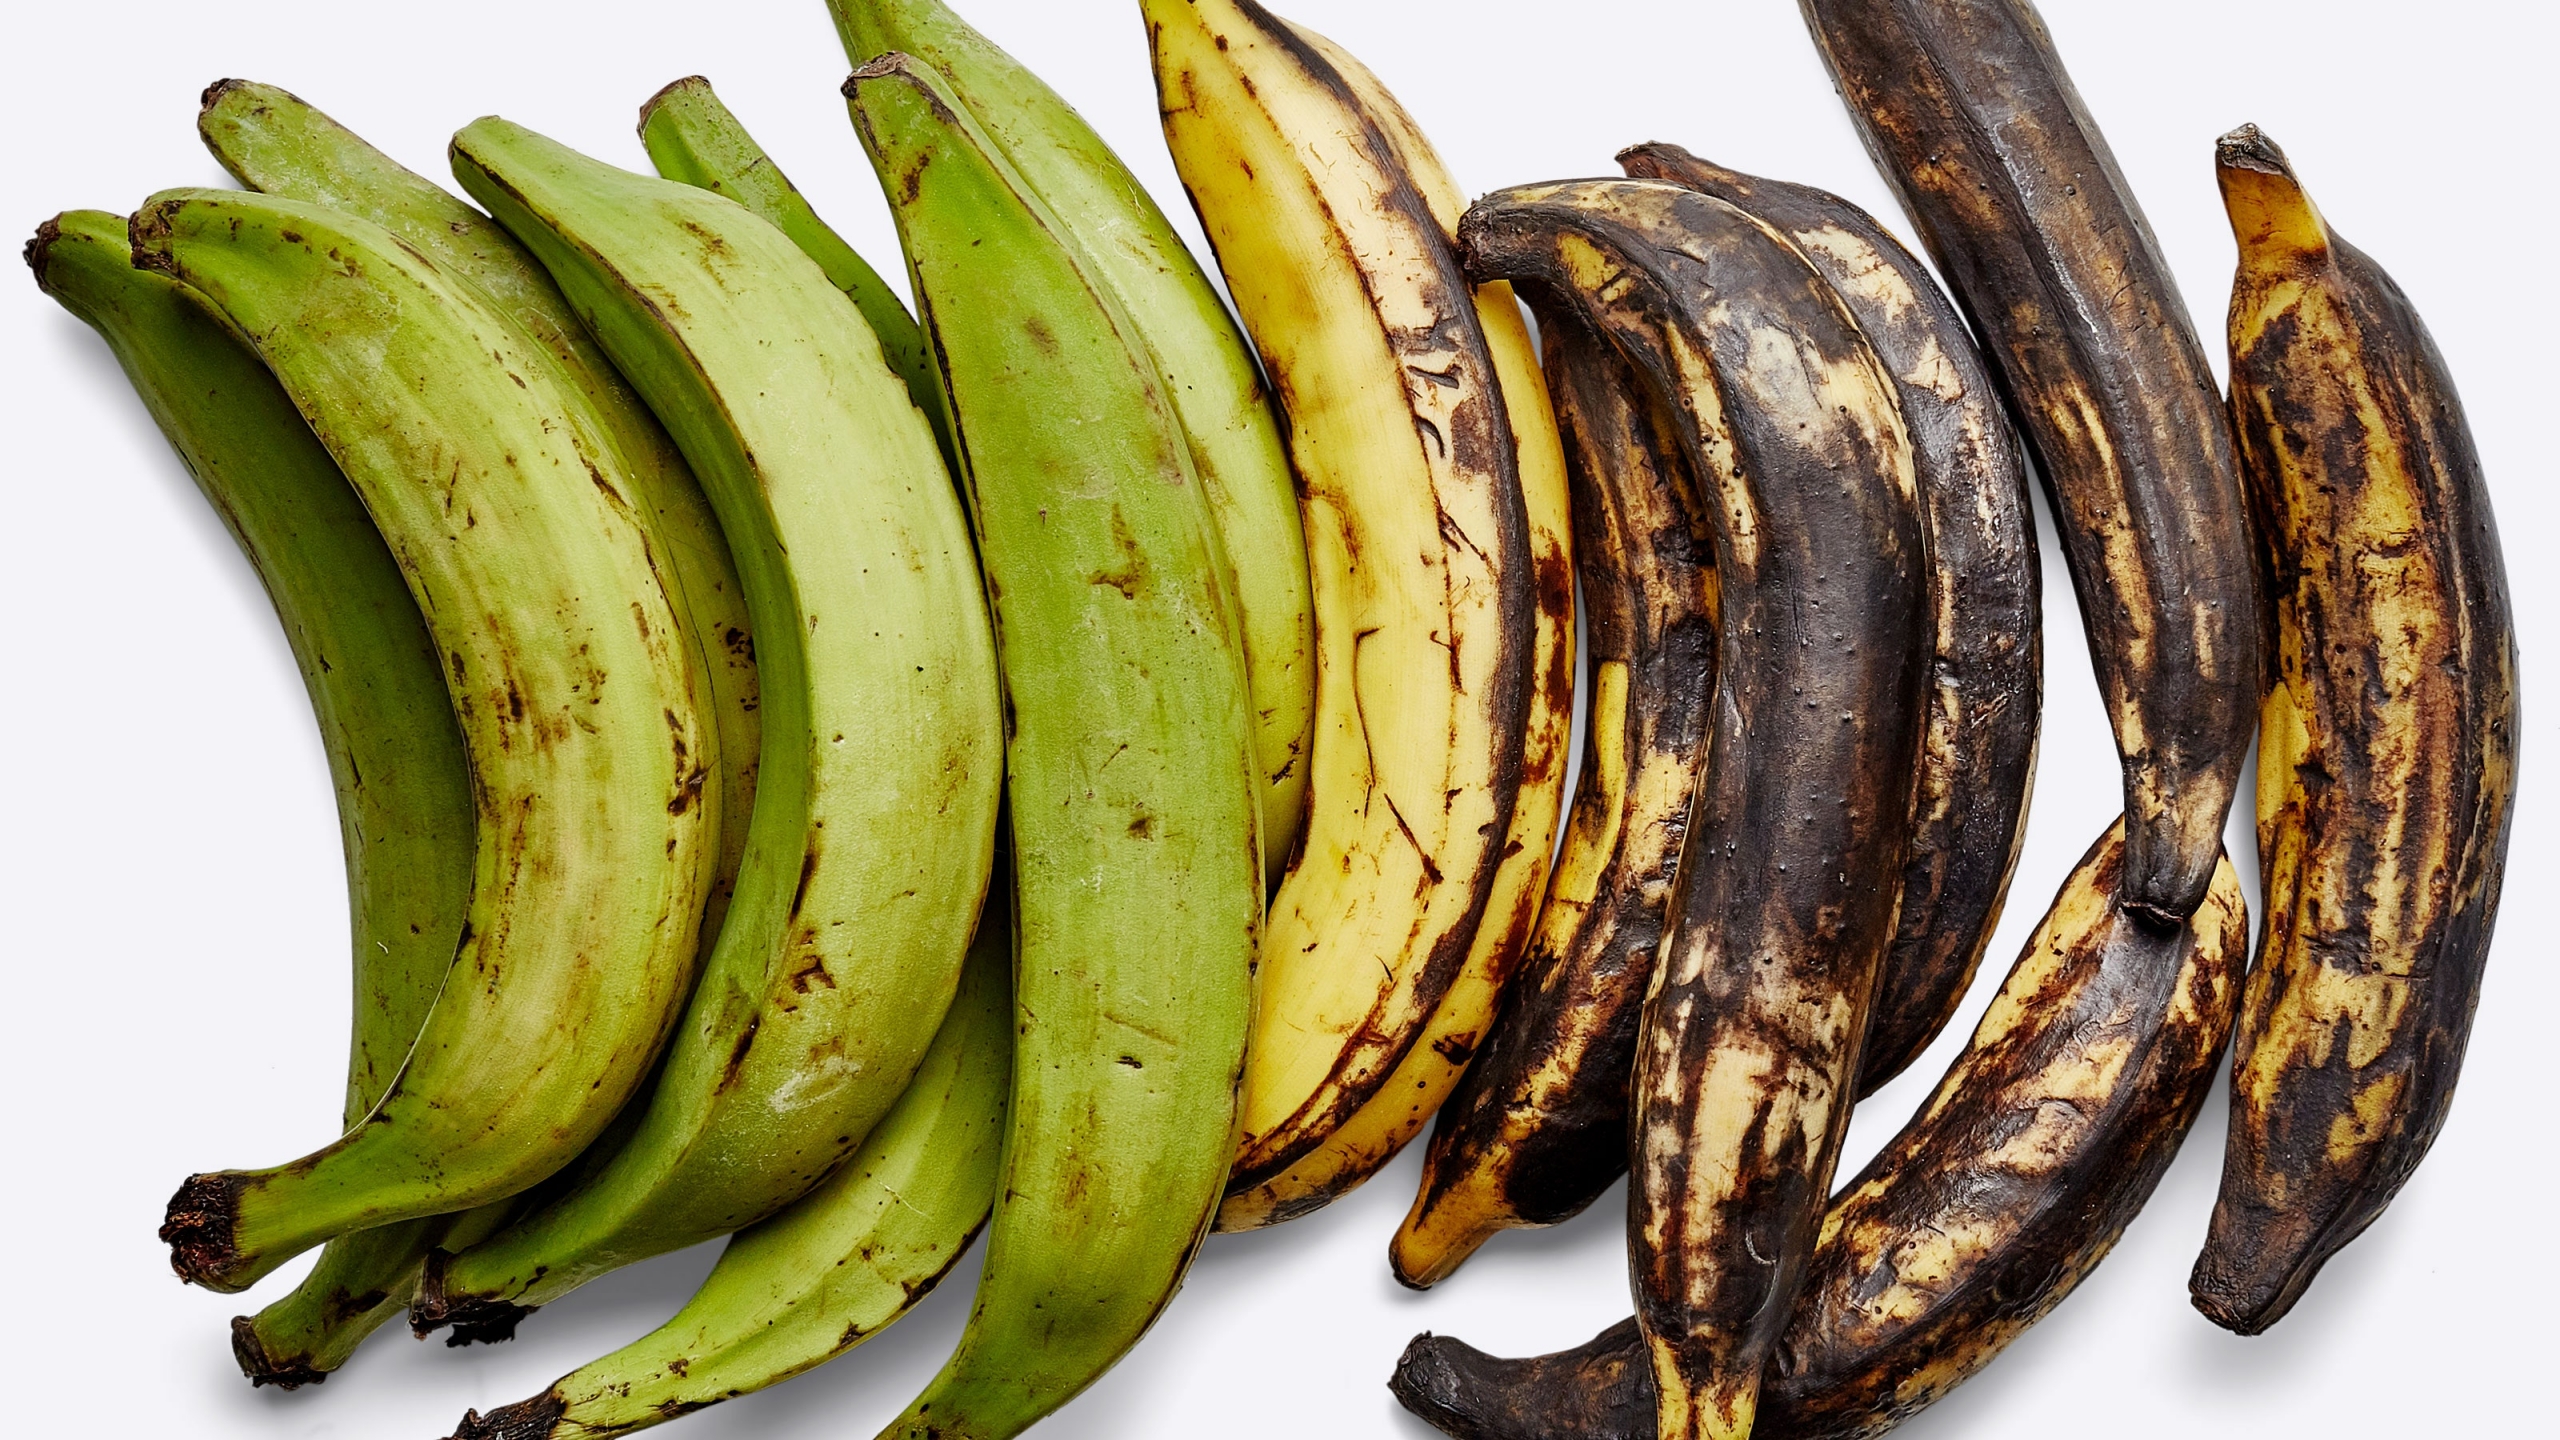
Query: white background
[[176, 912]]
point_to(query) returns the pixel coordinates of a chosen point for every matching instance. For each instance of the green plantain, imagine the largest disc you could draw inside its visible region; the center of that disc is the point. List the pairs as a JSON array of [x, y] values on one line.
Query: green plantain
[[877, 787], [2386, 744], [692, 137], [376, 687], [582, 707], [1132, 783], [839, 1264], [1203, 367]]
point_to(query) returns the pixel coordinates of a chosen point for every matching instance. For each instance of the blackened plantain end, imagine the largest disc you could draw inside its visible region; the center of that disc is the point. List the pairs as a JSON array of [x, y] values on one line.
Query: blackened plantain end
[[2387, 744]]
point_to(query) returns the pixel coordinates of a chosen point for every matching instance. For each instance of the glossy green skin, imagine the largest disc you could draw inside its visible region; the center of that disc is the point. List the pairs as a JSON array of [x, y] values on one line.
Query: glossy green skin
[[693, 138], [1206, 371], [276, 143], [882, 767], [1131, 786], [386, 724], [581, 705], [841, 1263]]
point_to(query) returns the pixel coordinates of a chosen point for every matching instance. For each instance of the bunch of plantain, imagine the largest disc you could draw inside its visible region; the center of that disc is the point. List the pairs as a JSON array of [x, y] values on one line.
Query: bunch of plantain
[[1077, 764]]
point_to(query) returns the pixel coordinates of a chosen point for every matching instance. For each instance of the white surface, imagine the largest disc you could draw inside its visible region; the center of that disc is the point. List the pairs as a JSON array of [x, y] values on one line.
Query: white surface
[[177, 992]]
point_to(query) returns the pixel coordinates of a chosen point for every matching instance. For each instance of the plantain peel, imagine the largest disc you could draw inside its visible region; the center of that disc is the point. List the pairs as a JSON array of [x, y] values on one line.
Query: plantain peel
[[2387, 744], [1785, 899], [2012, 1182], [1537, 1128], [1973, 121]]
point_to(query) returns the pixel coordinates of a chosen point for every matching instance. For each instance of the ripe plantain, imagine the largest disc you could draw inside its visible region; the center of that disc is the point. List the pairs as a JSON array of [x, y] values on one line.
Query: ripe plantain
[[377, 689], [1973, 122], [1418, 539], [276, 143], [1430, 1070], [1978, 755], [2010, 1185], [1132, 782], [581, 704], [1784, 903], [2387, 744], [1537, 1128], [877, 788], [693, 138], [836, 1266], [1206, 373]]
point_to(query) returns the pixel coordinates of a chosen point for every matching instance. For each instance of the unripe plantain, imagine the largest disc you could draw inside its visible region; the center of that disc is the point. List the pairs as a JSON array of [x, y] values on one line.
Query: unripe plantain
[[581, 703]]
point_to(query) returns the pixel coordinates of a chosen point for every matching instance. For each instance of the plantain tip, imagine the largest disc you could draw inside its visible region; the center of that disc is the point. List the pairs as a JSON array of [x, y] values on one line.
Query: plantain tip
[[39, 247], [2248, 148], [198, 1228], [263, 1368], [214, 92], [649, 107]]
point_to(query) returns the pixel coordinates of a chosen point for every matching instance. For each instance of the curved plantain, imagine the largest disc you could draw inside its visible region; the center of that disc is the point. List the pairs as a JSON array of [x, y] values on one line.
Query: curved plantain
[[581, 707], [1537, 1128], [1973, 122], [1784, 902], [2015, 1179], [1206, 372], [881, 769], [692, 137], [1374, 1134], [1132, 783], [836, 1266], [277, 144], [1986, 627], [377, 689], [2387, 744], [1418, 541]]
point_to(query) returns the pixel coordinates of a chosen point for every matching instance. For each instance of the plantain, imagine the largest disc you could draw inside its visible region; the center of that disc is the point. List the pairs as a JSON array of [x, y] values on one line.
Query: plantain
[[276, 143], [1986, 627], [836, 1266], [1132, 780], [1973, 122], [1537, 1127], [1407, 450], [693, 138], [1374, 1134], [1784, 902], [875, 811], [581, 705], [2006, 1189], [2387, 744], [377, 689], [1206, 373]]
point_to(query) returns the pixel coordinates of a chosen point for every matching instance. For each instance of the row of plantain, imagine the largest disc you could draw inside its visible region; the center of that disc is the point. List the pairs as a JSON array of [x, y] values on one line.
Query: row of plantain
[[814, 775]]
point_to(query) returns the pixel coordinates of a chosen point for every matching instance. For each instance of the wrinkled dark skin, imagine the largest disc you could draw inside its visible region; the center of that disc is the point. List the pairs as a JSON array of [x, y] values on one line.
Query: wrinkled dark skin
[[1537, 1127], [2038, 1147], [2387, 748], [1974, 123], [1986, 692], [1785, 899]]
